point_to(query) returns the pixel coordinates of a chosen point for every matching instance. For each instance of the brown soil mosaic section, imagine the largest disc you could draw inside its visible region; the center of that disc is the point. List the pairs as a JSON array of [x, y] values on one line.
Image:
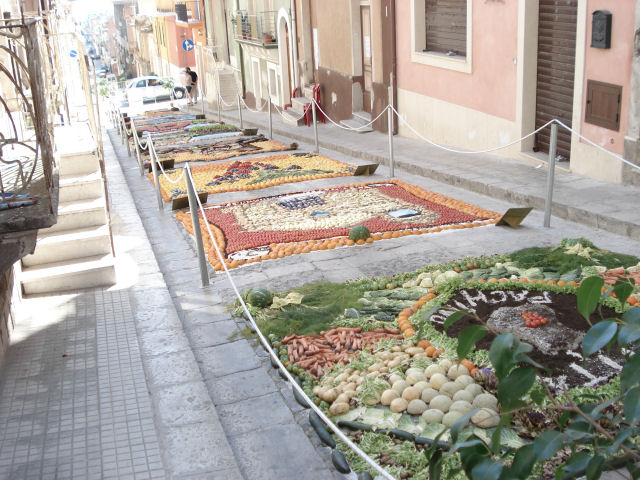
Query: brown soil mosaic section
[[502, 310]]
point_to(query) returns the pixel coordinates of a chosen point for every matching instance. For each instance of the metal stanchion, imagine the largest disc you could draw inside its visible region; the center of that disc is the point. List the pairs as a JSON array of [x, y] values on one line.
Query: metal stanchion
[[553, 142], [219, 99], [154, 169], [240, 113], [315, 124], [136, 143], [270, 121], [195, 220], [127, 141], [390, 127], [202, 99]]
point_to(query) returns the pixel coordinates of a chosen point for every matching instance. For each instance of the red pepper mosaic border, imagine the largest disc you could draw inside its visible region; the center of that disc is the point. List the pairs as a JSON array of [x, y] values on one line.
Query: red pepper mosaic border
[[255, 226]]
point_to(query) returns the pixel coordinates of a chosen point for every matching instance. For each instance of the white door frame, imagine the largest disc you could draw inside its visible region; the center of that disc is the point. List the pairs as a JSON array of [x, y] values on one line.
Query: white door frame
[[285, 21]]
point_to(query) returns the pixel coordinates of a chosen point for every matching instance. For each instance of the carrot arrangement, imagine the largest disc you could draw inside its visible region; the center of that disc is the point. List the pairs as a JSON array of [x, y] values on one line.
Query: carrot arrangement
[[319, 354]]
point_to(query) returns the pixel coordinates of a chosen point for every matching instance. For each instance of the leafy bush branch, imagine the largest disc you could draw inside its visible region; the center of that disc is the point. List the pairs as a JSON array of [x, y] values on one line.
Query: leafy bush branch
[[586, 438]]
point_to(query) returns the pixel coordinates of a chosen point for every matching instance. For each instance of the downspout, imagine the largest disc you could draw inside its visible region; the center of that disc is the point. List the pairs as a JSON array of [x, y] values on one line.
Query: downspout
[[243, 79], [294, 40], [394, 77]]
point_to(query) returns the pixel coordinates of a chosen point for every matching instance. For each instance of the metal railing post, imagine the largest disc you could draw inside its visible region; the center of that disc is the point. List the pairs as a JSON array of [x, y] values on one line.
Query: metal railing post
[[136, 143], [270, 121], [315, 124], [154, 169], [553, 142], [390, 128], [218, 102], [240, 113], [195, 220], [202, 98]]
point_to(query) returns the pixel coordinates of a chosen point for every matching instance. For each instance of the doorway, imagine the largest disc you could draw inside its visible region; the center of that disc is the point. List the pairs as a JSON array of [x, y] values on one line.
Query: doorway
[[365, 22], [557, 21], [284, 54]]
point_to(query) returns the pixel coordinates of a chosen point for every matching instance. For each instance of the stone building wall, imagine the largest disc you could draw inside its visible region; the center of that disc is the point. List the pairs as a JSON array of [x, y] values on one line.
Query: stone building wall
[[9, 294]]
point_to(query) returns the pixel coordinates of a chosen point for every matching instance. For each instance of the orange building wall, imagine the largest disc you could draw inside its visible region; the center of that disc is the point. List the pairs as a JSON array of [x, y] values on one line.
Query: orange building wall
[[492, 84], [175, 36], [611, 65]]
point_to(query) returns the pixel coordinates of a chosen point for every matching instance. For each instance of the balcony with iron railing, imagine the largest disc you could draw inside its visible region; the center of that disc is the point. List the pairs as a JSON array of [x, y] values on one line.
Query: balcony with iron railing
[[187, 11], [255, 27], [28, 174]]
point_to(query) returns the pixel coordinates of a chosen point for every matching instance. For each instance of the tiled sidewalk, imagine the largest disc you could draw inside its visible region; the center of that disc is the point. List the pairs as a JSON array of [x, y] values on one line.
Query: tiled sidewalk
[[73, 400], [102, 384]]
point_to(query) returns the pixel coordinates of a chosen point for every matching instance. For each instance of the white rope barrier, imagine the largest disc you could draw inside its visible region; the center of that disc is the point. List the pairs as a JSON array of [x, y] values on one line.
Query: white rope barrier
[[159, 163], [274, 357], [281, 111], [469, 152], [344, 127], [614, 155], [223, 102], [259, 110]]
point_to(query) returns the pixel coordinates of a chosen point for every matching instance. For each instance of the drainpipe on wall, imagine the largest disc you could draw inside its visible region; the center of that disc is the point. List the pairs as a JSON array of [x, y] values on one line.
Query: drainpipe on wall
[[632, 138], [294, 40], [243, 79], [394, 77]]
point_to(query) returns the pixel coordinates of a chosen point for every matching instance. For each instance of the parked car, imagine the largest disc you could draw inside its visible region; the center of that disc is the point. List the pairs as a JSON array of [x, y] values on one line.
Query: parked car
[[150, 89]]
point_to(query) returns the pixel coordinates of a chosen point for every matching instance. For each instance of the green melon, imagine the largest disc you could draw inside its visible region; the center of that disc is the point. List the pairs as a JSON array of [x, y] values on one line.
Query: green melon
[[260, 297], [359, 232]]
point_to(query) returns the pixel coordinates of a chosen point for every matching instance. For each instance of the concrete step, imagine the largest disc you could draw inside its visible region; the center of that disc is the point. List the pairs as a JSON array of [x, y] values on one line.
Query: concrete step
[[69, 244], [78, 164], [298, 104], [79, 187], [292, 118], [86, 272], [358, 125], [307, 91], [363, 116], [79, 214]]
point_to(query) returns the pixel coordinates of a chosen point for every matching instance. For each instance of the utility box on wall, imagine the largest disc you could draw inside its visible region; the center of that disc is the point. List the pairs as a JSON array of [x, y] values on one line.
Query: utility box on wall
[[601, 29]]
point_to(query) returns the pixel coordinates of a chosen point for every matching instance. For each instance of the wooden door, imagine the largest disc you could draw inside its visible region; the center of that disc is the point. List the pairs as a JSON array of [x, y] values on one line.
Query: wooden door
[[556, 66], [365, 22]]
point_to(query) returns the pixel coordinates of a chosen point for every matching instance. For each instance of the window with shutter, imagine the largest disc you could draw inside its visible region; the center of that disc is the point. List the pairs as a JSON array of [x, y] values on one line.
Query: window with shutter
[[603, 104], [441, 33], [446, 27]]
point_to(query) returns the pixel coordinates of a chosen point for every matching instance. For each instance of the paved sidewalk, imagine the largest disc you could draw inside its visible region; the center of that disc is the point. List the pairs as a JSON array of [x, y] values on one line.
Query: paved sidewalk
[[102, 384], [584, 200]]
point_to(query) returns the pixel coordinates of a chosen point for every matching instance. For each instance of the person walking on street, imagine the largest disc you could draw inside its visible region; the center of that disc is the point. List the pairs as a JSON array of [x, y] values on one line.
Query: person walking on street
[[193, 91], [187, 85]]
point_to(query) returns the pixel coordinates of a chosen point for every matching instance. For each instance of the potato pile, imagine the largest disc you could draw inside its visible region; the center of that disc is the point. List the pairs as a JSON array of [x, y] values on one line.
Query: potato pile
[[441, 393]]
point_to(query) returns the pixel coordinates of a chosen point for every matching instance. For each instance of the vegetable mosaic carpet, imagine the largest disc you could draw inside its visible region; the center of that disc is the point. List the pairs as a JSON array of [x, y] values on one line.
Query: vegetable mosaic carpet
[[254, 174], [220, 149], [277, 226]]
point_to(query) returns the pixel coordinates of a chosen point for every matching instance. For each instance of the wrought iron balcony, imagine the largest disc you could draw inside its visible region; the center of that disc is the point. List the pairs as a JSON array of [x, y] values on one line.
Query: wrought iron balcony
[[187, 11], [255, 27], [28, 174]]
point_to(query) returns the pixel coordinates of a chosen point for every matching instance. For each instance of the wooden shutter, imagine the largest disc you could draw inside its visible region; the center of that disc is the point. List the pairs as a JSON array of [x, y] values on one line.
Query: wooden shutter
[[603, 104], [556, 66], [446, 26]]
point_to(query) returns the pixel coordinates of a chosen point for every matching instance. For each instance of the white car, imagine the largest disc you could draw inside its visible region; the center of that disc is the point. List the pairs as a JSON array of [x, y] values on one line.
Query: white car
[[150, 89]]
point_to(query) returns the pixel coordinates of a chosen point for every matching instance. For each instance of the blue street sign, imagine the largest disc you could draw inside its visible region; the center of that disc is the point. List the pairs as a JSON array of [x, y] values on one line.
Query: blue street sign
[[73, 53], [187, 45]]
